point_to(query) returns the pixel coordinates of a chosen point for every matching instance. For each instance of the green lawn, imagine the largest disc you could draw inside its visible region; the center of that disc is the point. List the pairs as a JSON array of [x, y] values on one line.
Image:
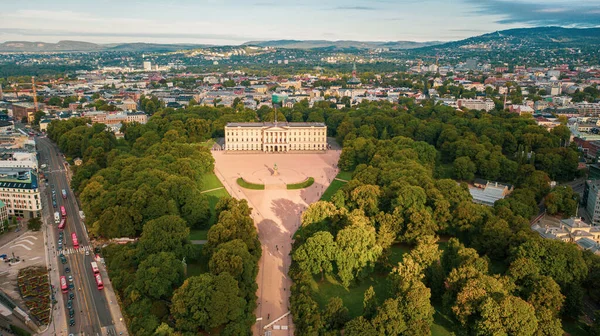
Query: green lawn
[[442, 324], [198, 234], [332, 189], [352, 297], [249, 185], [213, 198], [196, 269], [336, 185], [574, 328], [208, 143], [301, 185], [398, 250], [345, 175], [211, 181]]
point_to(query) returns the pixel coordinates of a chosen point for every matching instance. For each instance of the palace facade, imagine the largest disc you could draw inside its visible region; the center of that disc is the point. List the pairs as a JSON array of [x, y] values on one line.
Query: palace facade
[[276, 137]]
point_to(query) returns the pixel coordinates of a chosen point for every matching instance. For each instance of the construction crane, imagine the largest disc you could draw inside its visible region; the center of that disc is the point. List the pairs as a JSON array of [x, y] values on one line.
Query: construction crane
[[437, 59], [35, 101]]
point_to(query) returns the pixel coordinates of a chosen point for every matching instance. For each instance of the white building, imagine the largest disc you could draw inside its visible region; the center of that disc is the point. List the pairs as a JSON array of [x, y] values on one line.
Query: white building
[[147, 66], [18, 159], [476, 104], [488, 192], [20, 192], [572, 230], [276, 137]]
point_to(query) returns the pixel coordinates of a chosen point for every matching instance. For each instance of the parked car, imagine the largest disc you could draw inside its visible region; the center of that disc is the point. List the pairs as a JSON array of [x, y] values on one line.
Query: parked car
[[71, 312], [71, 321], [70, 304], [67, 270], [70, 278], [71, 296]]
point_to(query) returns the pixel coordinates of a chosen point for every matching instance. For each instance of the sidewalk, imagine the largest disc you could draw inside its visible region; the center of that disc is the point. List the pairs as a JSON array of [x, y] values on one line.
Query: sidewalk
[[113, 304]]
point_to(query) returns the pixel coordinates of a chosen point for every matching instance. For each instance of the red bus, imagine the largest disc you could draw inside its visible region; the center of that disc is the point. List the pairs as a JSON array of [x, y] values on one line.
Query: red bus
[[99, 281], [63, 223], [63, 284], [75, 241], [63, 211], [95, 268]]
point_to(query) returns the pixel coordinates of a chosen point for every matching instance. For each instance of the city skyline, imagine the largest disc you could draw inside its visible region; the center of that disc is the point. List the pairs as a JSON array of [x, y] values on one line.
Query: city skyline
[[225, 22]]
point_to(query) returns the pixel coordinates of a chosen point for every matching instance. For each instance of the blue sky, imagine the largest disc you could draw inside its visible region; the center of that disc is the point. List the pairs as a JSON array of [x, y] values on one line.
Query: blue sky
[[238, 21]]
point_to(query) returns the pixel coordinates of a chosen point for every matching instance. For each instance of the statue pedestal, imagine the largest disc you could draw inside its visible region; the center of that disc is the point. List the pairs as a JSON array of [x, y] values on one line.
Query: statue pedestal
[[275, 173]]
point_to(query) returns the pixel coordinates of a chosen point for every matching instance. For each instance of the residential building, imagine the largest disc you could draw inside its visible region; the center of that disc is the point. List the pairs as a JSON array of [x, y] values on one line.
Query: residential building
[[276, 137], [521, 109], [24, 110], [591, 197], [589, 148], [20, 192], [476, 104], [44, 124], [588, 109], [117, 118], [128, 104], [18, 158], [3, 216]]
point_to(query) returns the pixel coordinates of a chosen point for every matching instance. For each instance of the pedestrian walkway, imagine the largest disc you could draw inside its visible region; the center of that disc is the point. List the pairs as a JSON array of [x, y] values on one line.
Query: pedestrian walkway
[[215, 189], [199, 242], [341, 180]]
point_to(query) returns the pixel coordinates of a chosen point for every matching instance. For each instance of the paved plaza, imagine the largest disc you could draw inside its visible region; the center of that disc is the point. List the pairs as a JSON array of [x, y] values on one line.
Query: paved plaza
[[276, 213]]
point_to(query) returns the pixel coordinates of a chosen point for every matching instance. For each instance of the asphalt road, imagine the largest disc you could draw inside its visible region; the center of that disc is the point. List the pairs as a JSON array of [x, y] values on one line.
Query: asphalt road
[[92, 315]]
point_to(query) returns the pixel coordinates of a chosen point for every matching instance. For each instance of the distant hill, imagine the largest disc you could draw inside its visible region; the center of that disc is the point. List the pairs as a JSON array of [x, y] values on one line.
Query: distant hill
[[21, 46], [155, 47], [63, 46], [332, 45], [551, 37]]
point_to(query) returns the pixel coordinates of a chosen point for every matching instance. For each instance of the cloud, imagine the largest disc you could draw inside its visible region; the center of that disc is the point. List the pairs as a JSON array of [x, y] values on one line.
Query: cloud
[[563, 13], [356, 8], [60, 33]]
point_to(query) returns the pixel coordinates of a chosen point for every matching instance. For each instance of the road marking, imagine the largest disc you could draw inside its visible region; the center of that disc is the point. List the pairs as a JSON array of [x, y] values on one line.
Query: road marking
[[21, 245], [81, 249], [25, 241], [35, 258], [36, 238]]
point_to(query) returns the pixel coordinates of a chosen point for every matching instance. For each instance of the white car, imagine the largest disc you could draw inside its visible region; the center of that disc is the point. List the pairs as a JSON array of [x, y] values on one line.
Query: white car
[[70, 278], [87, 252]]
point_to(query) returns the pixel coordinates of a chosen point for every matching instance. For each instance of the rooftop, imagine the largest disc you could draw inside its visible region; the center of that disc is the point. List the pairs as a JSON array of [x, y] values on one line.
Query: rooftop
[[18, 178], [279, 124]]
